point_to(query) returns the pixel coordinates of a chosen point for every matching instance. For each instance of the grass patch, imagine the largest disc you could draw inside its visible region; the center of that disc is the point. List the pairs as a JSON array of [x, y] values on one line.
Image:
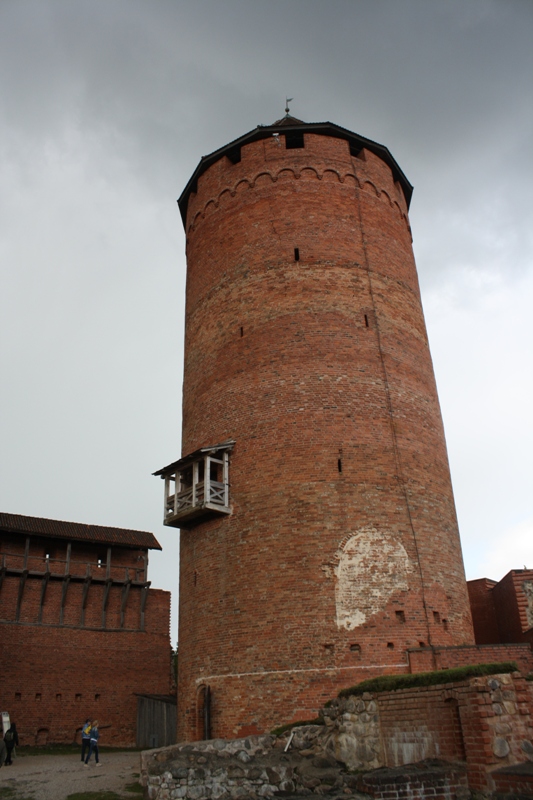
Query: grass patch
[[388, 683], [283, 728], [134, 788], [8, 793]]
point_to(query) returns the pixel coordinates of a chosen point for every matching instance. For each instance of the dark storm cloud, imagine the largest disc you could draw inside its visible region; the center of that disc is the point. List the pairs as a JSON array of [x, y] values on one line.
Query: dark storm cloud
[[107, 106]]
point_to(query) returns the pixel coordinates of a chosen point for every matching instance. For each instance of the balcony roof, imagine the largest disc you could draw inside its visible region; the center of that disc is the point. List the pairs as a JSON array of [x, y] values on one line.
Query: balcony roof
[[176, 466]]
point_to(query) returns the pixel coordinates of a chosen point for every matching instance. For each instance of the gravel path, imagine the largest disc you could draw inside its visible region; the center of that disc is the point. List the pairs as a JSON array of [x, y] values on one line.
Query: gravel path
[[55, 777]]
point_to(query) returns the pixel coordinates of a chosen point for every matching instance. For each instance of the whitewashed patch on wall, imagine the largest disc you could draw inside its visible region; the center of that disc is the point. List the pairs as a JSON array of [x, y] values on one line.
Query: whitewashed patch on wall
[[372, 566]]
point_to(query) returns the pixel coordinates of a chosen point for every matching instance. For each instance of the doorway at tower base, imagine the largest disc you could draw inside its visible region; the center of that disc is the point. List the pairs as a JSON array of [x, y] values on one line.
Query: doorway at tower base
[[472, 733]]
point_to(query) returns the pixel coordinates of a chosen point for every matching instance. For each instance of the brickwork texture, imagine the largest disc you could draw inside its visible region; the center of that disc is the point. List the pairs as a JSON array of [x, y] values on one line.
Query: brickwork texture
[[63, 658], [306, 344]]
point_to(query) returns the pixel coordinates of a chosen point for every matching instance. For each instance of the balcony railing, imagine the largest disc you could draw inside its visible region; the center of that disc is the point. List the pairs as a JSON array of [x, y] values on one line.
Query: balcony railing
[[197, 486]]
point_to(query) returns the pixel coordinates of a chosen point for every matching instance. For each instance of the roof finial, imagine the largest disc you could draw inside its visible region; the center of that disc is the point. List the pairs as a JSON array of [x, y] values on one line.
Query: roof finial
[[287, 101]]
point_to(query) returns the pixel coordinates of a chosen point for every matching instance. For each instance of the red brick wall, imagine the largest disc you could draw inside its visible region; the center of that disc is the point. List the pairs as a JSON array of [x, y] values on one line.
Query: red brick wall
[[464, 721], [428, 659], [483, 611], [320, 370], [503, 611], [54, 677]]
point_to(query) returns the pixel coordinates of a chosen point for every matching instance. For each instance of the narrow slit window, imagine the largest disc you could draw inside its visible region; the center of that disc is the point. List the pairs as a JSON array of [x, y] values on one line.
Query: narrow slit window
[[355, 648], [296, 253], [436, 618], [339, 464], [242, 331], [366, 321]]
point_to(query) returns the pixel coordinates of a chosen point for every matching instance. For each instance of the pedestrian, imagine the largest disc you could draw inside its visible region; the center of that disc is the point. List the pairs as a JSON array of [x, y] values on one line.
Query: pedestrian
[[95, 735], [11, 739], [85, 738], [3, 751]]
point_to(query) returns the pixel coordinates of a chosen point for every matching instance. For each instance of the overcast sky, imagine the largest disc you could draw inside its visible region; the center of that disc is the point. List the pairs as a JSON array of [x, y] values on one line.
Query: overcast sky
[[106, 107]]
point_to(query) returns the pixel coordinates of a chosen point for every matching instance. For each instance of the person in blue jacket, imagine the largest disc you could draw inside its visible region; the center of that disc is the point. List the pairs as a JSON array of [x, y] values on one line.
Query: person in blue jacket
[[85, 738], [95, 735]]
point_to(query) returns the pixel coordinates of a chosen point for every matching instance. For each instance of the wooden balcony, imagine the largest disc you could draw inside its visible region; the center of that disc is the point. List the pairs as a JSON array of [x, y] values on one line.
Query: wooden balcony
[[197, 486]]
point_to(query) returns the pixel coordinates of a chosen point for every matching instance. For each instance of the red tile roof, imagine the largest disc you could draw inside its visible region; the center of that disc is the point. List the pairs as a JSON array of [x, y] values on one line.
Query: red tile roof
[[77, 531]]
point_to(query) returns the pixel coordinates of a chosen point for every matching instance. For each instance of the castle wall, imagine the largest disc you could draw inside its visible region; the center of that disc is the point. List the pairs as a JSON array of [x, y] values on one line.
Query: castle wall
[[55, 676], [81, 632], [342, 550]]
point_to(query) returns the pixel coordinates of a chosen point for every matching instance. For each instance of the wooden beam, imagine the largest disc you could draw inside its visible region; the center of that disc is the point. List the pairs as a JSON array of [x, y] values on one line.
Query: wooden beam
[[26, 552], [44, 584], [106, 598], [22, 582], [66, 581], [108, 564], [67, 564], [125, 593], [85, 594], [144, 598]]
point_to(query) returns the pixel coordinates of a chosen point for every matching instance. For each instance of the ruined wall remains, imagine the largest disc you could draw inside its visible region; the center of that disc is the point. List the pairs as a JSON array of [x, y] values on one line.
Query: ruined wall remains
[[367, 741], [306, 345]]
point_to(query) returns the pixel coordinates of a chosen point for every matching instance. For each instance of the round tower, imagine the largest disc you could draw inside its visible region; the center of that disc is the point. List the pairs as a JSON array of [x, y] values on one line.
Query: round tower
[[319, 542]]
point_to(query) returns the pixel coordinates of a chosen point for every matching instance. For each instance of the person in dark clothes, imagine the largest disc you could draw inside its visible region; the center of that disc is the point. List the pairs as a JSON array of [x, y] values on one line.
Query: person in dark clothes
[[95, 735], [85, 738], [3, 751], [11, 739]]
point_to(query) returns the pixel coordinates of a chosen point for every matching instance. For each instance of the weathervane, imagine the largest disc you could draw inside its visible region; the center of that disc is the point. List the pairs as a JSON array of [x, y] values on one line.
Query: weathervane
[[287, 101]]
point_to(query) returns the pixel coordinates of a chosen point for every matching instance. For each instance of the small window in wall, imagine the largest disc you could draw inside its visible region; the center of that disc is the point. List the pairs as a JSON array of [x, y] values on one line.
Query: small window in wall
[[436, 618], [38, 697], [78, 698], [197, 486], [96, 698], [400, 616], [294, 140], [58, 696], [18, 696], [355, 648]]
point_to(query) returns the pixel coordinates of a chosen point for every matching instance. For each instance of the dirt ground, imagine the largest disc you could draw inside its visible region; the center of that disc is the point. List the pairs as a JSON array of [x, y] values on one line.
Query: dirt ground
[[56, 777]]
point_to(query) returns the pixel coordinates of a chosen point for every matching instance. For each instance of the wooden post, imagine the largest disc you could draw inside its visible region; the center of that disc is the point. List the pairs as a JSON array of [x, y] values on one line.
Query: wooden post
[[66, 581], [207, 479], [86, 586], [194, 482], [26, 552], [225, 477]]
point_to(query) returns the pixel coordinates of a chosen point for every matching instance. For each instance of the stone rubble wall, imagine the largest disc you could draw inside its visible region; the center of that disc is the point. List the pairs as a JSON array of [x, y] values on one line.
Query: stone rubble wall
[[453, 735]]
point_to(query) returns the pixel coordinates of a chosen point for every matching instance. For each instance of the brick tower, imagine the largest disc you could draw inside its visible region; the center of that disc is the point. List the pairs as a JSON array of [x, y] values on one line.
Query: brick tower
[[319, 540]]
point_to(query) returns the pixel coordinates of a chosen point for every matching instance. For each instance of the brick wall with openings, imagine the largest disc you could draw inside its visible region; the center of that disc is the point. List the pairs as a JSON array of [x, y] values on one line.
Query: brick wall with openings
[[305, 342]]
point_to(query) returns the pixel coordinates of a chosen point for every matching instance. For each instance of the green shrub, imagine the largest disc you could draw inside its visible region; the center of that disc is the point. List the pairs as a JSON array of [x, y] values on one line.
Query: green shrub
[[388, 683]]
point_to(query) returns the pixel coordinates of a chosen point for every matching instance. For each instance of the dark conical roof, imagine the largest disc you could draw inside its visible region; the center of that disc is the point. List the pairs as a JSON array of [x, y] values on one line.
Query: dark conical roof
[[288, 120], [295, 126]]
